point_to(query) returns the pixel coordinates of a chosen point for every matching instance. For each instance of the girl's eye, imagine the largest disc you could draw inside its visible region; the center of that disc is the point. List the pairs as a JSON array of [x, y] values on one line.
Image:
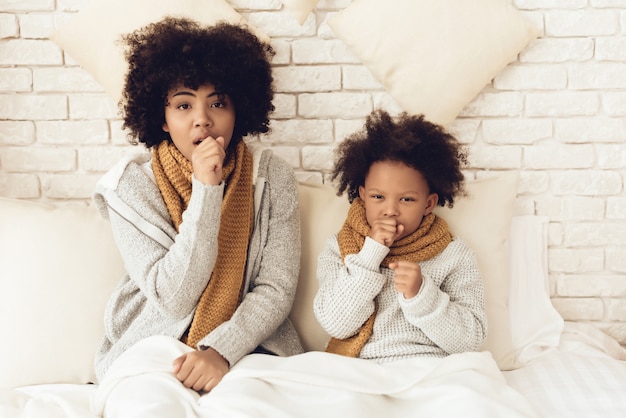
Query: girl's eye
[[407, 199], [377, 196], [183, 106]]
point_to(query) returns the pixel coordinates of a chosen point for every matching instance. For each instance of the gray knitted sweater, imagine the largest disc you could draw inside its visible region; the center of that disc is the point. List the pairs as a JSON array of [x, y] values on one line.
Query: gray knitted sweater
[[446, 316], [166, 276]]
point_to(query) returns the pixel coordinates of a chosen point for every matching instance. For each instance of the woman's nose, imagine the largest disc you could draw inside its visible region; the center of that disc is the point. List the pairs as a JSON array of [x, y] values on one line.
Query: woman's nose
[[202, 117]]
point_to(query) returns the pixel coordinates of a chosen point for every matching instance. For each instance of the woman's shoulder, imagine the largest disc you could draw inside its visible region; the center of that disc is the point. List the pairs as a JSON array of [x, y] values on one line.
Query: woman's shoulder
[[138, 177], [275, 169], [127, 167], [130, 180]]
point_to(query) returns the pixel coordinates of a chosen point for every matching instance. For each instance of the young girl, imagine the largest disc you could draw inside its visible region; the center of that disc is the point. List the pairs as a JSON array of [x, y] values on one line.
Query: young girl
[[394, 283], [209, 234]]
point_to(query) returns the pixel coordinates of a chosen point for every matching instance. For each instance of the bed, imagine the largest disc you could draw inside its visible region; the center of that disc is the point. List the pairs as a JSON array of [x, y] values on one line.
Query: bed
[[578, 378], [558, 369], [58, 264]]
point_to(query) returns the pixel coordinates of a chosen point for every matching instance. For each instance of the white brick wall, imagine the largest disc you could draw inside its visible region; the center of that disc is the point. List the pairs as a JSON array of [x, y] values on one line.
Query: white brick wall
[[557, 114]]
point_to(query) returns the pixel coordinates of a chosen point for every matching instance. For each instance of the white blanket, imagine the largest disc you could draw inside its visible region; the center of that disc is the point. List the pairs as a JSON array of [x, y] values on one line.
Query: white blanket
[[313, 384]]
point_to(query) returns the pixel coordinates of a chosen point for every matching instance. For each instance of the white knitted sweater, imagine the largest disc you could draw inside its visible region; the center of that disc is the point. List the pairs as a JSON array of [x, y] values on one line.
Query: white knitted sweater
[[446, 316]]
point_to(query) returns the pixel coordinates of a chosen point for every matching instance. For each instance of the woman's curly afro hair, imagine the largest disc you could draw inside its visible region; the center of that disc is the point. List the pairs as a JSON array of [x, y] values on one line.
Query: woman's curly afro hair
[[411, 140], [180, 52]]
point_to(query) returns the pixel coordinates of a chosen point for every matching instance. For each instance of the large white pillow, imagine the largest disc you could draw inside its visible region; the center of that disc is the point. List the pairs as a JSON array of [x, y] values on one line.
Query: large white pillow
[[58, 267], [300, 9], [92, 36], [482, 219], [433, 56], [536, 326], [322, 213]]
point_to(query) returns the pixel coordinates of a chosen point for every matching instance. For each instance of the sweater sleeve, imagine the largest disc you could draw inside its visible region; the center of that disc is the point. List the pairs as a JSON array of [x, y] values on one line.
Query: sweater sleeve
[[171, 279], [345, 299], [273, 286], [450, 313]]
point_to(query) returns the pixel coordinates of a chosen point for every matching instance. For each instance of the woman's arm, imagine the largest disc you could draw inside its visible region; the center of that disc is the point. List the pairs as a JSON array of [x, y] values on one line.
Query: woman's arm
[[170, 278], [272, 290]]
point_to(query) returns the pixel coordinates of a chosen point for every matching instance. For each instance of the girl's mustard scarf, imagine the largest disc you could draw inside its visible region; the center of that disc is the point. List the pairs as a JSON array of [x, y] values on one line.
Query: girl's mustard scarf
[[222, 294], [430, 239]]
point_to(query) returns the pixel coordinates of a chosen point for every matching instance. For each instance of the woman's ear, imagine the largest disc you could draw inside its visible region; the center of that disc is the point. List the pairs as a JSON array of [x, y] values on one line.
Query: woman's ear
[[361, 192], [164, 127], [431, 203]]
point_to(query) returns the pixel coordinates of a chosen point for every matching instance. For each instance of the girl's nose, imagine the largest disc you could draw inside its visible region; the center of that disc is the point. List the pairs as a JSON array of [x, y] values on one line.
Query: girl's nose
[[391, 210]]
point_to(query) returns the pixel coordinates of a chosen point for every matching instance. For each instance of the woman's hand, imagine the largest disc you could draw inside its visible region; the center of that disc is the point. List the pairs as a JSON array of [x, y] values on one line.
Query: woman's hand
[[200, 370], [207, 160]]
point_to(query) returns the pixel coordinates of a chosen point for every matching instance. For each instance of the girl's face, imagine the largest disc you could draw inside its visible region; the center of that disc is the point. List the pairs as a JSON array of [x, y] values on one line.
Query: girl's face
[[393, 189], [192, 116]]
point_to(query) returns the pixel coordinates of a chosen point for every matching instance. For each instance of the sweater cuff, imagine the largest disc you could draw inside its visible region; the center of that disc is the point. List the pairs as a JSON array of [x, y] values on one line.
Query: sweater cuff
[[425, 301], [372, 254]]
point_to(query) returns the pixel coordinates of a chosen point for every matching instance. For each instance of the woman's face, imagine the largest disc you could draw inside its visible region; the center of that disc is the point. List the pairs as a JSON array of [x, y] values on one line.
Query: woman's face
[[194, 115], [396, 191]]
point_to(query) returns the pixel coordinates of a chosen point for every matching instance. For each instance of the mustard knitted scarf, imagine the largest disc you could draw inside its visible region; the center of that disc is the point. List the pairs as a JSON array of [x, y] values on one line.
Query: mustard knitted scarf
[[222, 294], [430, 239]]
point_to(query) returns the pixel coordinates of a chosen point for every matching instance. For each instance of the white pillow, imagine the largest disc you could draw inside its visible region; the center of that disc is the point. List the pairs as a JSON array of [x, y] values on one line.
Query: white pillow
[[433, 56], [300, 9], [58, 267], [536, 326], [482, 219], [92, 37], [322, 213]]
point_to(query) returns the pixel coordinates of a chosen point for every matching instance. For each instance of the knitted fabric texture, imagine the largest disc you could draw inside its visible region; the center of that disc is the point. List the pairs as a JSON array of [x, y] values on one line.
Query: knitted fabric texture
[[222, 294], [430, 239]]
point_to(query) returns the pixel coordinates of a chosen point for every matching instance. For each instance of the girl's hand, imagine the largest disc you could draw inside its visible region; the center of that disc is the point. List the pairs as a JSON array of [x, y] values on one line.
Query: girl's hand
[[200, 370], [207, 160], [407, 277], [385, 231]]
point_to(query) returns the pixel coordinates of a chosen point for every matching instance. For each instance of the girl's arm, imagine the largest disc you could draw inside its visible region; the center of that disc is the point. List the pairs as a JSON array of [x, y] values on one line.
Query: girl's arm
[[450, 310], [345, 299]]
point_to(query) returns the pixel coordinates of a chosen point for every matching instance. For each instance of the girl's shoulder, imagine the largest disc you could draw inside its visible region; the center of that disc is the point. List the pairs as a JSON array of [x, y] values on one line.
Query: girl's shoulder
[[458, 251]]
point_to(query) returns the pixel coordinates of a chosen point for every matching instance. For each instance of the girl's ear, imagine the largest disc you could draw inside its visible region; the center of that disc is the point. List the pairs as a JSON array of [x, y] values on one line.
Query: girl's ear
[[362, 192], [431, 203], [164, 127]]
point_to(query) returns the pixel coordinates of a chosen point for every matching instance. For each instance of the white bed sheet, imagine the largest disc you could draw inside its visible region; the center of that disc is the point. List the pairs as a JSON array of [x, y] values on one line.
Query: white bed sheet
[[57, 400], [584, 377], [315, 384], [309, 385], [570, 370]]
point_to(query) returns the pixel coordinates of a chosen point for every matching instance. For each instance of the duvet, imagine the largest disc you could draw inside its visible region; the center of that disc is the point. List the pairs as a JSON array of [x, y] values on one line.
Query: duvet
[[313, 384]]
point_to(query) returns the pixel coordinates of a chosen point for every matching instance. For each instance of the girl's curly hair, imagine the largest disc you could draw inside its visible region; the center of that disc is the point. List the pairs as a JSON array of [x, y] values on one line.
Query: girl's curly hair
[[177, 51], [411, 140]]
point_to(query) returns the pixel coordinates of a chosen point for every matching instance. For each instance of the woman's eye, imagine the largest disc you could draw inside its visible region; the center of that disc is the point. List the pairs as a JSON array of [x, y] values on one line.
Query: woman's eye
[[376, 196], [183, 106]]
